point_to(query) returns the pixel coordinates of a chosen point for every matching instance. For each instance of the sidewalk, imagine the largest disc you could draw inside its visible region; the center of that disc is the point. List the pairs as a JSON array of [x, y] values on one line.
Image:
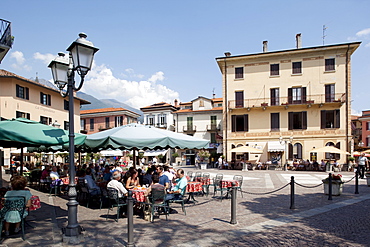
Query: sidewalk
[[262, 220]]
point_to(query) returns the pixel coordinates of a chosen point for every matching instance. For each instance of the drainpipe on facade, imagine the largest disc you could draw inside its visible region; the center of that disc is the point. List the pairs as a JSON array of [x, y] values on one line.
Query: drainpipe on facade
[[226, 111]]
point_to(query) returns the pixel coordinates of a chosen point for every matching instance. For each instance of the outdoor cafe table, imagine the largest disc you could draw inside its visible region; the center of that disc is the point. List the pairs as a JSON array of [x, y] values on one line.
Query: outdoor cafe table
[[138, 194], [229, 183], [65, 180], [193, 187], [203, 180]]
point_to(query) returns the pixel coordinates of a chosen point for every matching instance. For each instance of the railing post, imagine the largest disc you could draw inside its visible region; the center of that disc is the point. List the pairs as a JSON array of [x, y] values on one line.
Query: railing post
[[330, 187], [233, 204], [130, 220], [356, 182], [292, 192]]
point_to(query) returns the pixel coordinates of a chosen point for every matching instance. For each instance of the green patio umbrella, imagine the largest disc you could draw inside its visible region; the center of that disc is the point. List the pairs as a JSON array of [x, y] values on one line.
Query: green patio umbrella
[[138, 136], [23, 132]]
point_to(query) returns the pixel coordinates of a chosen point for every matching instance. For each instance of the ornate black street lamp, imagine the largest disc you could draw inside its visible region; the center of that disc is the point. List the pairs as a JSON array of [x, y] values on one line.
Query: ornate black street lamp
[[81, 55]]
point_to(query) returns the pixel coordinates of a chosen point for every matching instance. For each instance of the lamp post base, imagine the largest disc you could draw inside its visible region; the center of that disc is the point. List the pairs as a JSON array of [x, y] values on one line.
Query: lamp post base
[[73, 235]]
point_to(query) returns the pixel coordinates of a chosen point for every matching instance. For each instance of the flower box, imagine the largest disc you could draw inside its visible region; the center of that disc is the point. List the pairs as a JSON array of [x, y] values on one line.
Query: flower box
[[264, 104], [337, 188]]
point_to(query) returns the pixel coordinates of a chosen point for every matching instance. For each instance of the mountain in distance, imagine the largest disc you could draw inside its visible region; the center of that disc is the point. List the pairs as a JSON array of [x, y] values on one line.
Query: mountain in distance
[[106, 103]]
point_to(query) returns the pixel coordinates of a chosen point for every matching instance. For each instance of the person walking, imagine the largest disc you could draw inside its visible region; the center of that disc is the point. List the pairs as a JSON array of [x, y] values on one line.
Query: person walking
[[362, 162]]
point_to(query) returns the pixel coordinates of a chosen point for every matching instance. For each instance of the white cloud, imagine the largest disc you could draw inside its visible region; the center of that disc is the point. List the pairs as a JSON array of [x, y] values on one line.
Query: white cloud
[[103, 84], [363, 32], [131, 74], [367, 45], [355, 112], [19, 61], [45, 58]]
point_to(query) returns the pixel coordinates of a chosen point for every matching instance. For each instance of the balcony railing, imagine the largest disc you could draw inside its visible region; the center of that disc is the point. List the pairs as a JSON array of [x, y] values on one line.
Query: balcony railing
[[6, 38], [189, 128], [285, 101], [213, 127]]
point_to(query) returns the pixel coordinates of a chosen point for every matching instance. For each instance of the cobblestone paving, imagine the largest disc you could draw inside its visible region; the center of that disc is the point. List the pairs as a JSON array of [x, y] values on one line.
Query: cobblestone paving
[[262, 220]]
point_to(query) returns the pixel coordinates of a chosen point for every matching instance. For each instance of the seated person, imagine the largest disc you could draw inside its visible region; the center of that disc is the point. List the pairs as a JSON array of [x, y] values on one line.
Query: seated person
[[107, 175], [45, 174], [25, 169], [163, 179], [54, 173], [155, 186], [18, 184], [133, 180], [179, 189], [94, 189], [147, 178], [122, 192]]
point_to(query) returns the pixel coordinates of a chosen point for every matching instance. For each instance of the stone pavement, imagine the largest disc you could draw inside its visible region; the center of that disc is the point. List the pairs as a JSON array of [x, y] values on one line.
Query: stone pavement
[[262, 219]]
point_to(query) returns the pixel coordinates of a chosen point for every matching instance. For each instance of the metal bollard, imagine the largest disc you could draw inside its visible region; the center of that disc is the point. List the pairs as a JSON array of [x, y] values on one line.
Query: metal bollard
[[330, 187], [130, 219], [292, 192], [233, 204], [356, 183]]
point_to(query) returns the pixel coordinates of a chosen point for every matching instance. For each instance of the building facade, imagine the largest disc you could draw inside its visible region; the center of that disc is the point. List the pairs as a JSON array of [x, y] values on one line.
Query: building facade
[[160, 115], [288, 102], [201, 118], [365, 130], [95, 120], [21, 97]]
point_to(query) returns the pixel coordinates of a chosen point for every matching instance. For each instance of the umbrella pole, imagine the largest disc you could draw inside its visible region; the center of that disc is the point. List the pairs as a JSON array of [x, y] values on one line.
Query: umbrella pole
[[21, 161], [134, 157]]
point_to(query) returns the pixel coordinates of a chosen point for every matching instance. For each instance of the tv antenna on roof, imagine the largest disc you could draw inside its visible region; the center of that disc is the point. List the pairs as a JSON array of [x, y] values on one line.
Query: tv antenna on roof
[[323, 34]]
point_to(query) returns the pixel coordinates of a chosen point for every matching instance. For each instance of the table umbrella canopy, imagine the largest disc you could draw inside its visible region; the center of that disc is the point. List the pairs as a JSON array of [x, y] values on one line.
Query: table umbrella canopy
[[246, 149], [23, 132], [329, 149], [359, 154], [137, 136], [366, 151]]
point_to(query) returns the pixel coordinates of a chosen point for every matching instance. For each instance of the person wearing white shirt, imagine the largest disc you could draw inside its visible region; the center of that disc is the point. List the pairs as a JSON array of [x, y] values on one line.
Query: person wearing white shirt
[[54, 173], [115, 184]]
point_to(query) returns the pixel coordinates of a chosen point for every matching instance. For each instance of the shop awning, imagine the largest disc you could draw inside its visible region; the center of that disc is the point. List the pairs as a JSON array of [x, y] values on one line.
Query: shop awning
[[275, 146], [155, 152]]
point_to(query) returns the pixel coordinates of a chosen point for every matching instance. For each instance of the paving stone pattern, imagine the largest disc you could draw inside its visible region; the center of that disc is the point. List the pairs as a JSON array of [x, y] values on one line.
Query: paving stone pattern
[[262, 220]]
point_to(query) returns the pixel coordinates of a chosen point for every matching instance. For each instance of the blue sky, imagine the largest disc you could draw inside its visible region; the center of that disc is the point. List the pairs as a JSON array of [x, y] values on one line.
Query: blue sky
[[153, 51]]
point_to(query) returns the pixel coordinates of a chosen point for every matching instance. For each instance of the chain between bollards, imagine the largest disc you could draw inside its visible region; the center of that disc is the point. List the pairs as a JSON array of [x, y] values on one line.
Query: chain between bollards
[[233, 204], [356, 183], [330, 187], [130, 220], [292, 192]]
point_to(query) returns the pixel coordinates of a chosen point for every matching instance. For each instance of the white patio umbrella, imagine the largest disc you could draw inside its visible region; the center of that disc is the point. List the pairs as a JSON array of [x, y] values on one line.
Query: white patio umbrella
[[329, 149]]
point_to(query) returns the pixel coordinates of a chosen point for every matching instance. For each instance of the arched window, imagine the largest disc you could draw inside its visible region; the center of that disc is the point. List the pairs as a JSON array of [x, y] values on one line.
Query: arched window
[[297, 151]]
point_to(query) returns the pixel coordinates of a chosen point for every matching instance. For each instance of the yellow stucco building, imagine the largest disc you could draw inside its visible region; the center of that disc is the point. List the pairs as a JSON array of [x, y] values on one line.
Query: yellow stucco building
[[288, 102]]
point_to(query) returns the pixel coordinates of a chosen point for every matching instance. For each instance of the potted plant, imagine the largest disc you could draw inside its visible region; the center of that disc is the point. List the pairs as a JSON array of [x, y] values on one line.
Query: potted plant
[[367, 175], [337, 184], [204, 155]]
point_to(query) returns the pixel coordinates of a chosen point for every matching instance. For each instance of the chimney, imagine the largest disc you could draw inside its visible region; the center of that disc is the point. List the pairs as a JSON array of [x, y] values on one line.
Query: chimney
[[264, 46], [227, 54], [176, 103], [298, 41]]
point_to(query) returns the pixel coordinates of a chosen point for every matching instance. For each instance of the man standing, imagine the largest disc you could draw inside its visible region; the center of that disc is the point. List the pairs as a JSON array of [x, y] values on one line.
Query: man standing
[[362, 162]]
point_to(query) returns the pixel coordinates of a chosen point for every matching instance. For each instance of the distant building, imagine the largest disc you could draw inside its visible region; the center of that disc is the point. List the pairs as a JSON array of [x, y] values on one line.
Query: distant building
[[160, 115], [365, 131], [201, 118], [303, 93], [21, 97], [96, 120], [356, 130]]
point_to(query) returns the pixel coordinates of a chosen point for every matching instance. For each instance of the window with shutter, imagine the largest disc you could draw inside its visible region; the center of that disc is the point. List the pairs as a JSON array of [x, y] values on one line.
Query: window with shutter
[[239, 73], [274, 69], [297, 68], [330, 93], [275, 122], [239, 99], [330, 64], [274, 92], [330, 119]]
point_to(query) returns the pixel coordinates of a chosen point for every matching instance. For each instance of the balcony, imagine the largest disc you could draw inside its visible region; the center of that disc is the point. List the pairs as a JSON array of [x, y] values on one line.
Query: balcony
[[189, 129], [309, 100], [6, 38], [213, 127]]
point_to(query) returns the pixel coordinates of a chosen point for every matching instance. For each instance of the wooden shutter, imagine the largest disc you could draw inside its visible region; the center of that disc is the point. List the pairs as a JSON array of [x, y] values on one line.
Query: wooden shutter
[[233, 123], [41, 94], [304, 120], [323, 119], [28, 116], [273, 96], [49, 99], [337, 118], [290, 120], [239, 99], [290, 151], [290, 95], [246, 126], [304, 95], [27, 92]]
